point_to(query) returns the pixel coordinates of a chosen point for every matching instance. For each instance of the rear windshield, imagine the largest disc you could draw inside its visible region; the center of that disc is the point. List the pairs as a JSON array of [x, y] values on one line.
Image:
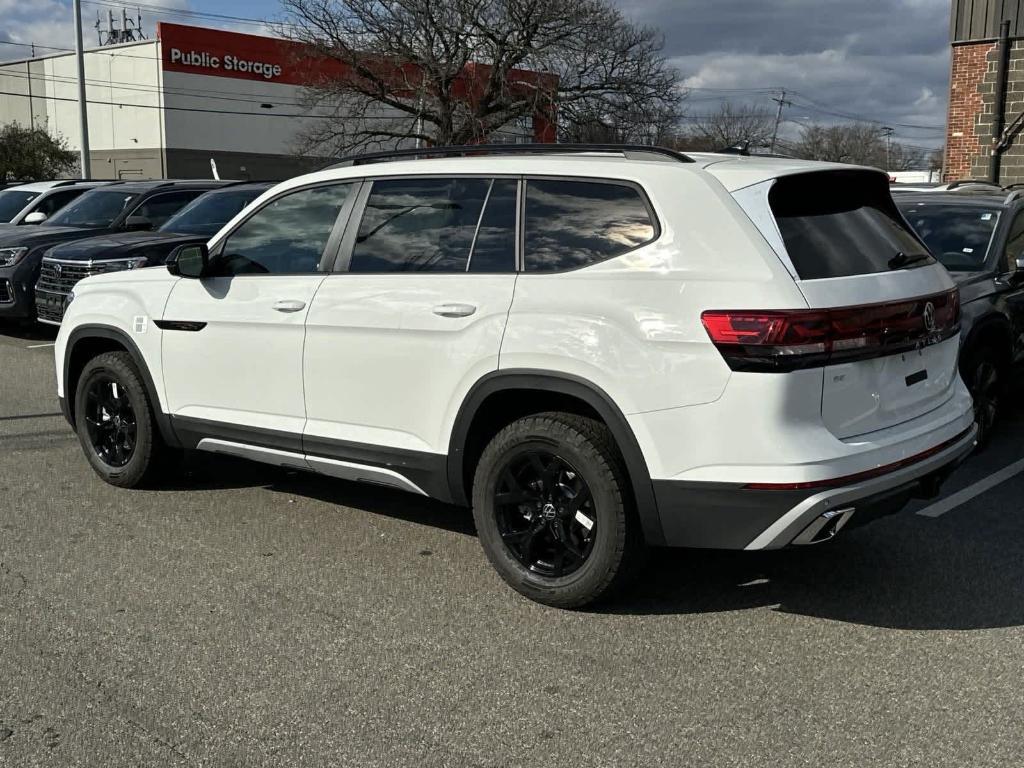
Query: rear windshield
[[12, 201], [843, 223], [959, 235]]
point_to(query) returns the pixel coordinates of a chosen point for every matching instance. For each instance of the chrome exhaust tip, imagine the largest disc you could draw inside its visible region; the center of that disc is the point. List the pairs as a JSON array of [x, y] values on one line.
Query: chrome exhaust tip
[[824, 527]]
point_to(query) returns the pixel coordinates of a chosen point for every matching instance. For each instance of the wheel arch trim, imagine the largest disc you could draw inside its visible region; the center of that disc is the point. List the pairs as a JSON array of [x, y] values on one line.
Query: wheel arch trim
[[112, 333], [567, 385]]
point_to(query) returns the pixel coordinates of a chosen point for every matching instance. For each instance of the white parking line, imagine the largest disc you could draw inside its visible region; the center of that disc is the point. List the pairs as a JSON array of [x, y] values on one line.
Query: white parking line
[[40, 346], [950, 503]]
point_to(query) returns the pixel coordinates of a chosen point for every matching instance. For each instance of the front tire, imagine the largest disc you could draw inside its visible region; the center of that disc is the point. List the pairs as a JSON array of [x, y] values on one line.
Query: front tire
[[115, 422], [552, 509]]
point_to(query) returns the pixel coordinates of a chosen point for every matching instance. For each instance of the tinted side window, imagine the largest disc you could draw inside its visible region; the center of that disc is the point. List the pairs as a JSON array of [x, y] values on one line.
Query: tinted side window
[[1015, 242], [286, 236], [495, 246], [53, 203], [571, 224], [415, 225], [160, 208]]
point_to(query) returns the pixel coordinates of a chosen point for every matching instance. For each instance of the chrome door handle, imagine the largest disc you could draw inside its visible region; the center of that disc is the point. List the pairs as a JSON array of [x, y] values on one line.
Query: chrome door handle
[[454, 310], [289, 305]]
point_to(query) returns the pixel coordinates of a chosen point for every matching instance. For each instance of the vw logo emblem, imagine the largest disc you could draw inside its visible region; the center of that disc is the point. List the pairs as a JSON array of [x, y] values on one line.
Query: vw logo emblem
[[57, 269], [929, 317]]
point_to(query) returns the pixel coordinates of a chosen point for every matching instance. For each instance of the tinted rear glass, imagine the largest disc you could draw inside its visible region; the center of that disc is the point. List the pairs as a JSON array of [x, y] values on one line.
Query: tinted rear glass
[[843, 223], [12, 201], [958, 235], [572, 224]]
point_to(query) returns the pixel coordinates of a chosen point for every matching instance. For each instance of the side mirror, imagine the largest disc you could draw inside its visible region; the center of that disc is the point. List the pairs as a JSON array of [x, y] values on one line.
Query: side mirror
[[189, 261], [36, 217], [135, 223]]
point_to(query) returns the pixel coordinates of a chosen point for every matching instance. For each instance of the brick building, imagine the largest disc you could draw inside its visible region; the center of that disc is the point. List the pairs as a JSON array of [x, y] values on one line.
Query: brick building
[[975, 30]]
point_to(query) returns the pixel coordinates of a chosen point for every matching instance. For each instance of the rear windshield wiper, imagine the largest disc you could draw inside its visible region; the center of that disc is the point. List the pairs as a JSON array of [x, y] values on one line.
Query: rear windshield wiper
[[901, 260]]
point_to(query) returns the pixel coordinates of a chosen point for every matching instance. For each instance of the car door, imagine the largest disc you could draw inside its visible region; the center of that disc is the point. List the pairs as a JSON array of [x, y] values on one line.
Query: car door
[[156, 210], [1013, 281], [411, 321], [232, 341]]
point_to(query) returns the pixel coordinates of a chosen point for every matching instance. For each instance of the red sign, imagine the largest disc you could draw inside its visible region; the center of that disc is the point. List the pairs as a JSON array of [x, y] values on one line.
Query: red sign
[[217, 53], [214, 52]]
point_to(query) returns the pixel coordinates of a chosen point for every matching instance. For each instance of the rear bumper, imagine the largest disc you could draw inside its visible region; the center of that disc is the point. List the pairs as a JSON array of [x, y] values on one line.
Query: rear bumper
[[729, 516]]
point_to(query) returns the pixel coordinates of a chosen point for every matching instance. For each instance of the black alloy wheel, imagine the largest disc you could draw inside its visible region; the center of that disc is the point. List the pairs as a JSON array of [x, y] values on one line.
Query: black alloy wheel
[[116, 423], [110, 421], [545, 513], [986, 383]]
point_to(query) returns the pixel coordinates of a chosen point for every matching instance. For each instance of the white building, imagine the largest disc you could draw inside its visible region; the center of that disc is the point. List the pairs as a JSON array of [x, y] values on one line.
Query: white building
[[167, 107]]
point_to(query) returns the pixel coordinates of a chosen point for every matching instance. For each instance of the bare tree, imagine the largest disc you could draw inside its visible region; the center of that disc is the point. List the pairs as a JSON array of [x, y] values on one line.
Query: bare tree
[[858, 143], [455, 72], [732, 125]]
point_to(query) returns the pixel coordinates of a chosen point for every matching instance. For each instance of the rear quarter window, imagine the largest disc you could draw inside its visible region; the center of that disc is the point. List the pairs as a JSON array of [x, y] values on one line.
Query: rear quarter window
[[842, 223], [572, 224]]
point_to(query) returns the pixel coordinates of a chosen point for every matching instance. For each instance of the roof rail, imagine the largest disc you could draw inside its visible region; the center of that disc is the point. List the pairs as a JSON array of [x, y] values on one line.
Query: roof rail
[[971, 183], [633, 151], [1014, 195]]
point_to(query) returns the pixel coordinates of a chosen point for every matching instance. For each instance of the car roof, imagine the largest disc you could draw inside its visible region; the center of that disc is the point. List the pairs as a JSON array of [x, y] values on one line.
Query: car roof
[[38, 186], [137, 187], [243, 185], [961, 198], [734, 171]]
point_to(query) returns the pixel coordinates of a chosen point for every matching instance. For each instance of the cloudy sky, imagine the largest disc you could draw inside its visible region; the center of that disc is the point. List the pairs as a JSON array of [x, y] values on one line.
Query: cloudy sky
[[881, 60]]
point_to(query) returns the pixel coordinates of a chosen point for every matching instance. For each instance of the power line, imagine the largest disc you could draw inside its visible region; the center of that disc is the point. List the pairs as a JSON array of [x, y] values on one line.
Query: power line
[[155, 8]]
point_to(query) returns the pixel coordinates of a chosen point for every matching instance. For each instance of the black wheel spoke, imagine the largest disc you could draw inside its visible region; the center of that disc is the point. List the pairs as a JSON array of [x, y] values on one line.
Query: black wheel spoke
[[542, 491], [110, 421]]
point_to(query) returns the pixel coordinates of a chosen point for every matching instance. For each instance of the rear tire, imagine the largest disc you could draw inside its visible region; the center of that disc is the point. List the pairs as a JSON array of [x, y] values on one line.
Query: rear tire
[[115, 421], [984, 373], [552, 509]]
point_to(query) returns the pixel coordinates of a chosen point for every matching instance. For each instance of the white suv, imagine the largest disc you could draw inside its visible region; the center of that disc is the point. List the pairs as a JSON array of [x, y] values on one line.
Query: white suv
[[597, 351]]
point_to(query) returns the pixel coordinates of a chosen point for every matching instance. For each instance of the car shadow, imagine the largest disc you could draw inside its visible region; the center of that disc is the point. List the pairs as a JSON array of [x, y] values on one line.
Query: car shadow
[[205, 471], [28, 330], [903, 572]]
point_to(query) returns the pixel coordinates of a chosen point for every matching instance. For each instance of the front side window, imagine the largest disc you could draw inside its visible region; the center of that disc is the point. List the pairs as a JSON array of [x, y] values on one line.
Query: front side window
[[93, 210], [12, 201], [437, 225], [57, 200], [572, 224], [207, 214], [957, 235], [285, 237], [159, 208]]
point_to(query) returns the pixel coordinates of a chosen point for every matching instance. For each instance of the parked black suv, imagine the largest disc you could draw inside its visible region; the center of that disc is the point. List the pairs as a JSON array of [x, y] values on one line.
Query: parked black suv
[[978, 235], [64, 265], [119, 207]]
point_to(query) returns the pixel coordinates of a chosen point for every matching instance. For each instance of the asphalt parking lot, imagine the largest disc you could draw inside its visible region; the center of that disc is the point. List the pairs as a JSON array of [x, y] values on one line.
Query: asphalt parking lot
[[256, 617]]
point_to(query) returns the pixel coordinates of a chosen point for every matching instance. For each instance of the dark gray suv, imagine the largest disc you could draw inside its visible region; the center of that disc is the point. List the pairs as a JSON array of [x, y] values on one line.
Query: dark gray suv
[[978, 234]]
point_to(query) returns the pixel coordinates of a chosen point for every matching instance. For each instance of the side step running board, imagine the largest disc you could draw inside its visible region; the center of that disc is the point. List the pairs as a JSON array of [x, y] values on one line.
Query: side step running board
[[344, 470]]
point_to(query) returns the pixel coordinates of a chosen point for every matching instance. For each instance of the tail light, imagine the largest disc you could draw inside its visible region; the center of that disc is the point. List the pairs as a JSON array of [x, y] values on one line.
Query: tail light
[[790, 340]]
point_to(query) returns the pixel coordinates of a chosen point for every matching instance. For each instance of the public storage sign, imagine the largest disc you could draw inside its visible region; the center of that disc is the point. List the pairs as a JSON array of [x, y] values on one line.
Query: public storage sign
[[218, 53]]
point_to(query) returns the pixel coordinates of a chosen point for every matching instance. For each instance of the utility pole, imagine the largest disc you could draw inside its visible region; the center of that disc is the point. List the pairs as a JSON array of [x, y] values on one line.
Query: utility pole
[[782, 102], [83, 114], [888, 132]]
